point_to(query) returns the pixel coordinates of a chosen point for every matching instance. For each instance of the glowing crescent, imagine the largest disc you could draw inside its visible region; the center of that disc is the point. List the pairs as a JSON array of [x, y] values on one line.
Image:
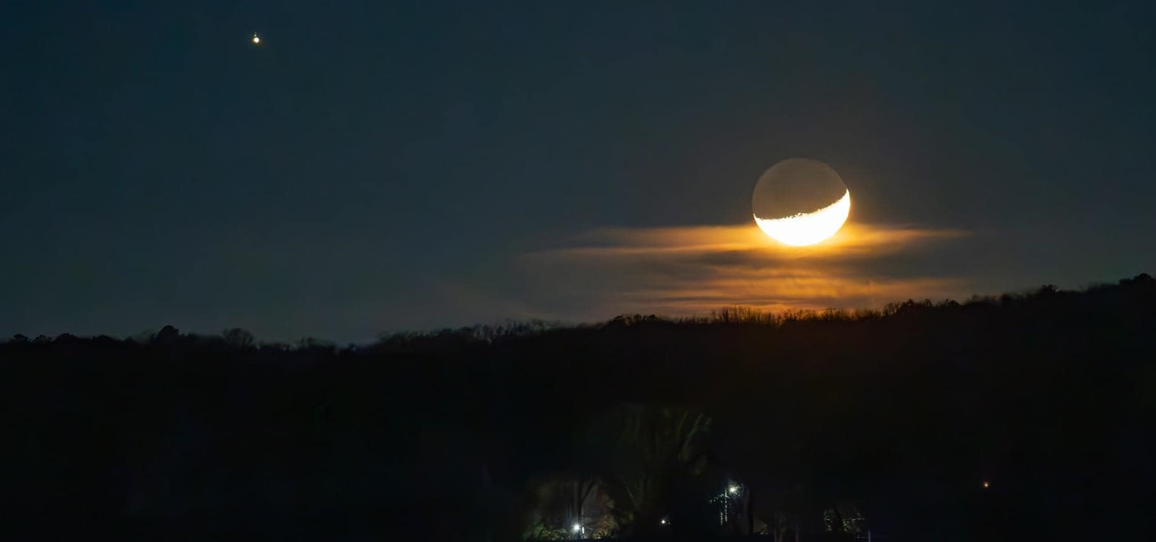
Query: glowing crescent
[[808, 228]]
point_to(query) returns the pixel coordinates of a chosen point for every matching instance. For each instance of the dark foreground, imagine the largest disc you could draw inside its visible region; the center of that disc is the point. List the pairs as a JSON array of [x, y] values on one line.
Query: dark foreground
[[825, 426]]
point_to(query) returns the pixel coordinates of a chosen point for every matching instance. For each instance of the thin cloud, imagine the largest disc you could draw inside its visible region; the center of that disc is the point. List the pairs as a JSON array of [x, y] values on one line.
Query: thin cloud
[[693, 270], [854, 239]]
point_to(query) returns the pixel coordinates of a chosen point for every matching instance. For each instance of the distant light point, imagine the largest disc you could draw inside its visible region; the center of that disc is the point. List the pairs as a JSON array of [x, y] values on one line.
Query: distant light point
[[986, 484], [256, 39]]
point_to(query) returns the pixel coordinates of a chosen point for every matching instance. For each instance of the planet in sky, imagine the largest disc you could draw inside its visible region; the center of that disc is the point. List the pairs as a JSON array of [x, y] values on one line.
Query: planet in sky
[[800, 202]]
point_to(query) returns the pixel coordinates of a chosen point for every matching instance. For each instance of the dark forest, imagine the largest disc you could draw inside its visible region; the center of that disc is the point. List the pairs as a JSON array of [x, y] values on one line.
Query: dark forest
[[1021, 417]]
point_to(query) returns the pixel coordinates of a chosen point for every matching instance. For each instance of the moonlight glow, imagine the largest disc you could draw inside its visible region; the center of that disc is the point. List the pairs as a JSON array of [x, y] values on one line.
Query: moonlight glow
[[808, 228], [800, 202]]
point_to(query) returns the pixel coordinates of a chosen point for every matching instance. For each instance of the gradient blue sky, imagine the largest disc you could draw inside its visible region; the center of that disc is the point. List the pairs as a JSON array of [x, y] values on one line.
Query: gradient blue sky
[[378, 166]]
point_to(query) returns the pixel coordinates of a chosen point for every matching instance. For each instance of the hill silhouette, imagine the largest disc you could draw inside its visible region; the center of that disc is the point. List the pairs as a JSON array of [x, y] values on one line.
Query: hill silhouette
[[1020, 417]]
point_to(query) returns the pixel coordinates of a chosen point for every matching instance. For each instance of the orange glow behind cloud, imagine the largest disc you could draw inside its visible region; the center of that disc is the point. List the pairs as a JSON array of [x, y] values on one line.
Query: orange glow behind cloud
[[854, 239], [693, 270]]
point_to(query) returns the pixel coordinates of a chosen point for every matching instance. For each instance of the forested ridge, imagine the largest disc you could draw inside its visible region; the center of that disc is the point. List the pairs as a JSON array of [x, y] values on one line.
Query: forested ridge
[[899, 415]]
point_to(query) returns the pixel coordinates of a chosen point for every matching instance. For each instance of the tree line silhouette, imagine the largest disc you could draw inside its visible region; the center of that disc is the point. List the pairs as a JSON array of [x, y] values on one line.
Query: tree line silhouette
[[1019, 417]]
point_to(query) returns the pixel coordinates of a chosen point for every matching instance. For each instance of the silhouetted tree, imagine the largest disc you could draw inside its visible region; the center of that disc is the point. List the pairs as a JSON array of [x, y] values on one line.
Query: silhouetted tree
[[167, 335], [238, 338]]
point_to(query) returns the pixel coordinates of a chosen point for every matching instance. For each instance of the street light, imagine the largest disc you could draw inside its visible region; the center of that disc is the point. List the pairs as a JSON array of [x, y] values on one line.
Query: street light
[[733, 489]]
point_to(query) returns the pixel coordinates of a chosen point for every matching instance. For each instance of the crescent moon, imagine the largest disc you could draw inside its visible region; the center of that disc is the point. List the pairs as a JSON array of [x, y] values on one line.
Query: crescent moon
[[806, 229]]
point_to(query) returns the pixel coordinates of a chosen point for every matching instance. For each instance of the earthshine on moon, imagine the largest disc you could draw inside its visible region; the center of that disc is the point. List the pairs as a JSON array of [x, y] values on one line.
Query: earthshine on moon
[[800, 202]]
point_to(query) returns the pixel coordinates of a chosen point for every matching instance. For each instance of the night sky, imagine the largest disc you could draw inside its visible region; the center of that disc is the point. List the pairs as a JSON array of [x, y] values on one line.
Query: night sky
[[382, 166]]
